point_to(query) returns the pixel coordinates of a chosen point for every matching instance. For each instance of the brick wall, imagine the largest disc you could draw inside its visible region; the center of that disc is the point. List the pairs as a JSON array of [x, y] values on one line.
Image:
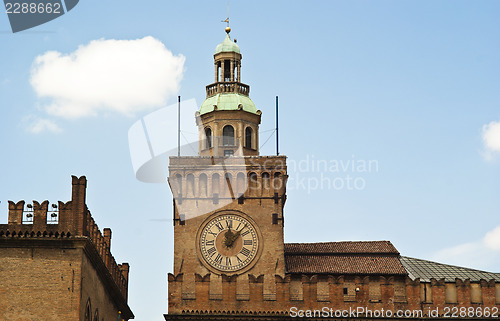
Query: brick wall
[[40, 283]]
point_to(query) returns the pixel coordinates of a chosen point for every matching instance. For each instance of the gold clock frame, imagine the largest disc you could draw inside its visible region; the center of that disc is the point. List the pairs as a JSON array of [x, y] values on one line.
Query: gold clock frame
[[254, 260]]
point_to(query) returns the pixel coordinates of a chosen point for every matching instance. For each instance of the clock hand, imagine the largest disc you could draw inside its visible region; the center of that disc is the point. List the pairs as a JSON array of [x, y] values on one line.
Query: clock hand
[[239, 232], [235, 236], [229, 238]]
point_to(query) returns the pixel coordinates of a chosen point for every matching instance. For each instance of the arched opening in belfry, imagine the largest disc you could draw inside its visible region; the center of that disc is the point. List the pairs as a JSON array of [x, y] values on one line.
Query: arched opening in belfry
[[208, 137], [218, 72], [227, 70], [228, 135], [248, 137]]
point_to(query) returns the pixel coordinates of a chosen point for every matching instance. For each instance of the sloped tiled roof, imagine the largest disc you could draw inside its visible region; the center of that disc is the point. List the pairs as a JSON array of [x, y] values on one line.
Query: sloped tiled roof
[[341, 247], [362, 258], [426, 270]]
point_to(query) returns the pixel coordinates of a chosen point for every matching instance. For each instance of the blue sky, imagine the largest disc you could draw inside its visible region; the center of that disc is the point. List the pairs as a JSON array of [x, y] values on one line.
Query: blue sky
[[410, 85]]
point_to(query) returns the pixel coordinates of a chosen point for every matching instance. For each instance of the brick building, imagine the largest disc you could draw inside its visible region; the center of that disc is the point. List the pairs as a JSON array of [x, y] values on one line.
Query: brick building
[[230, 259], [55, 264]]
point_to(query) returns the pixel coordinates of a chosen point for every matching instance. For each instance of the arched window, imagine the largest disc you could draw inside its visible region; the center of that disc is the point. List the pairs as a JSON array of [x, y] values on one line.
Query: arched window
[[228, 185], [265, 180], [190, 185], [88, 312], [208, 136], [248, 137], [241, 183], [228, 136], [96, 315], [178, 178], [277, 182], [203, 185], [215, 184], [253, 183]]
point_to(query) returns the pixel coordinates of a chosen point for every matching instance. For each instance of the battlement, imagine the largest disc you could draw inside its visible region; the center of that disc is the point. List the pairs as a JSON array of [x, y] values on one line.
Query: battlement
[[70, 221], [243, 293]]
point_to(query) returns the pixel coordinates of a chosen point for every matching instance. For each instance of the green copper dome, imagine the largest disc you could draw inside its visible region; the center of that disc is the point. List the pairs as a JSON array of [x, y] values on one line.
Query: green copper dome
[[229, 101], [227, 46]]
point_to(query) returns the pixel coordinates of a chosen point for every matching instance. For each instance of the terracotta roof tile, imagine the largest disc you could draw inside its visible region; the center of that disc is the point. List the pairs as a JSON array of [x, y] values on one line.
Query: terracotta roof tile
[[342, 247], [377, 257]]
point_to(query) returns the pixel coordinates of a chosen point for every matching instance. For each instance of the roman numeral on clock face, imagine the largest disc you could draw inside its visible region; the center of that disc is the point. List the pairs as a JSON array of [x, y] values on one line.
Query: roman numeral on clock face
[[211, 251], [229, 223], [247, 242], [218, 259], [211, 242], [219, 226], [228, 261], [245, 251], [245, 233]]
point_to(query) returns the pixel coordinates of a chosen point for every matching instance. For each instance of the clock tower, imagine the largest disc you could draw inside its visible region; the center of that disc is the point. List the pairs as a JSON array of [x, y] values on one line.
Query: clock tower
[[228, 203]]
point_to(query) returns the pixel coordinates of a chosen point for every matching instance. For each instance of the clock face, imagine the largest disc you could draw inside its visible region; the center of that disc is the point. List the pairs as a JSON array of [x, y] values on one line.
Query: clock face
[[228, 242]]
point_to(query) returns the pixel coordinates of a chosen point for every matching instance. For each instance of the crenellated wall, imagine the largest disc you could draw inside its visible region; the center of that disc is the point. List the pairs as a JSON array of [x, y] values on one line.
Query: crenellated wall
[[244, 294]]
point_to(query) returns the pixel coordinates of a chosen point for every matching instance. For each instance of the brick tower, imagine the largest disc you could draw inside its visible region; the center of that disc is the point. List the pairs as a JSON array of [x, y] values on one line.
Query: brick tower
[[228, 202]]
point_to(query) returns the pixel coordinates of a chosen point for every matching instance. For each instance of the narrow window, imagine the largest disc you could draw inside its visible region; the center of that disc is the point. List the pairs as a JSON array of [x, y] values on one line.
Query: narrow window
[[228, 136], [208, 136], [88, 311], [248, 137]]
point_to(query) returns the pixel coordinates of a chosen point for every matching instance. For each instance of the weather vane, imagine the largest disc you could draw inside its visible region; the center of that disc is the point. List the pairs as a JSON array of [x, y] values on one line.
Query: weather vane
[[228, 29]]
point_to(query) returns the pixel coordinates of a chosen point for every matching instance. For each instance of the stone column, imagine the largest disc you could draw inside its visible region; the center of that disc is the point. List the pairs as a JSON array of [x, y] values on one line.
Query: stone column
[[222, 75], [232, 70]]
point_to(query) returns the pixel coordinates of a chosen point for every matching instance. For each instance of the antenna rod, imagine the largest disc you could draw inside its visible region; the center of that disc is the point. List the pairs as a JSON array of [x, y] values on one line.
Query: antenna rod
[[277, 129], [179, 126]]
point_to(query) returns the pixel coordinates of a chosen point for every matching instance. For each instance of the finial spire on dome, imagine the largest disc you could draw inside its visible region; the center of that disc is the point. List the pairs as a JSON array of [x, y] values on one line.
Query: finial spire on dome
[[228, 29]]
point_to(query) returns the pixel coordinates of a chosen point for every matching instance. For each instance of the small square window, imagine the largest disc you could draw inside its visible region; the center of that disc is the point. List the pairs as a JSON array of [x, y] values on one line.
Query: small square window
[[228, 153]]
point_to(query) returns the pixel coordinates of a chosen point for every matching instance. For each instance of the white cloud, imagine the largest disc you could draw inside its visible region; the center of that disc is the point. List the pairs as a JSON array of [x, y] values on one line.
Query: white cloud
[[492, 239], [123, 76], [39, 125], [491, 138], [481, 254]]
